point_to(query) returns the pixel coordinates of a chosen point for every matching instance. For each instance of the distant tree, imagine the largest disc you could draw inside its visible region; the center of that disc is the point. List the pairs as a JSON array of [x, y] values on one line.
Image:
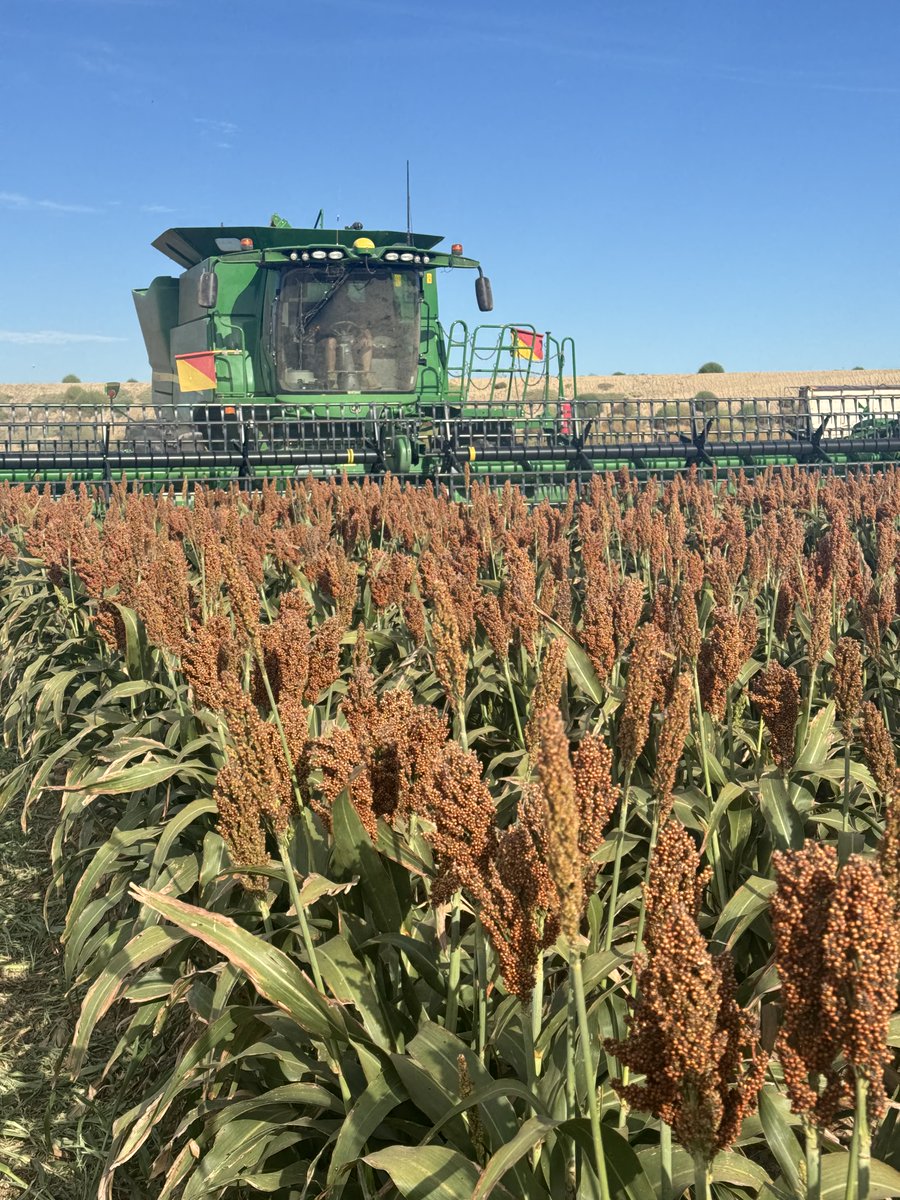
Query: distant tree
[[71, 379], [618, 372], [859, 368], [597, 404], [711, 368], [131, 379], [706, 396]]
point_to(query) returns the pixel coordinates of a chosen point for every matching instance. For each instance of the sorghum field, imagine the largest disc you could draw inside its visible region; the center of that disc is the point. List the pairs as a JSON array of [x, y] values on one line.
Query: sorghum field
[[417, 848]]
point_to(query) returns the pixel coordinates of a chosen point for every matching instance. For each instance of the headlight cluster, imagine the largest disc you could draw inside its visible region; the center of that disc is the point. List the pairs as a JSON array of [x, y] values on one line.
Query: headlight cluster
[[407, 256], [318, 255]]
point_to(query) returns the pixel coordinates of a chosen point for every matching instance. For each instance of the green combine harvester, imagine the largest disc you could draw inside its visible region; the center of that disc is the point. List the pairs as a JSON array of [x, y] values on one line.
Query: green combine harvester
[[279, 351]]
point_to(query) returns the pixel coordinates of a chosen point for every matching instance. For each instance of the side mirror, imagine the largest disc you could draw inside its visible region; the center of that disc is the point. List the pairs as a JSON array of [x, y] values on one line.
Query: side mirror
[[484, 296], [208, 289]]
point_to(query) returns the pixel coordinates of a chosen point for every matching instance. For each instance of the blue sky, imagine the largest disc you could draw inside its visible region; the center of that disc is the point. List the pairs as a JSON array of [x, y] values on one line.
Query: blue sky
[[668, 183]]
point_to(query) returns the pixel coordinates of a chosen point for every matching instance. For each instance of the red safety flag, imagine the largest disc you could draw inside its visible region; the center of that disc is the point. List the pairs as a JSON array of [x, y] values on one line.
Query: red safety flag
[[196, 372], [528, 345]]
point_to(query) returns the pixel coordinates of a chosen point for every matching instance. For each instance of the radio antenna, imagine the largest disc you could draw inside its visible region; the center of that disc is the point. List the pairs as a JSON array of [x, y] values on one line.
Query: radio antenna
[[408, 218]]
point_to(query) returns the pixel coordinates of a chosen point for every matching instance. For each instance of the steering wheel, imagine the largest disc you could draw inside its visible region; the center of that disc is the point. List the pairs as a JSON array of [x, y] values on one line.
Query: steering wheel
[[345, 329]]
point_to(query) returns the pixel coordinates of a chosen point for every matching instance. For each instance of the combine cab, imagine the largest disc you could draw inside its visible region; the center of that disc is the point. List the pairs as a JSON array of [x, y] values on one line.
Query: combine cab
[[280, 351]]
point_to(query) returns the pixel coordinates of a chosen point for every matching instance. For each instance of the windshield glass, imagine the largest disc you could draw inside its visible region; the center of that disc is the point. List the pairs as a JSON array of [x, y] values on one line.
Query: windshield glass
[[342, 329]]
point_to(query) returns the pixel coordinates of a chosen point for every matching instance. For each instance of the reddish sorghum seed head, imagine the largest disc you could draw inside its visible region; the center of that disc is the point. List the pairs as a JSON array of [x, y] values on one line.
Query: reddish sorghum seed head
[[517, 597], [209, 659], [819, 639], [597, 797], [627, 606], [253, 791], [675, 728], [640, 688], [389, 576], [686, 1033], [548, 689], [384, 756], [889, 849], [597, 633], [676, 876], [721, 658], [847, 680], [799, 911], [878, 748], [685, 627], [324, 657], [487, 611], [776, 692], [837, 950], [557, 781], [861, 961], [243, 596]]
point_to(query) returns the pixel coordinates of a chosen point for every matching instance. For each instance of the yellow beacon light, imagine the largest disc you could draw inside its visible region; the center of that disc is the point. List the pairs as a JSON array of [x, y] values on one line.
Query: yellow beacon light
[[363, 244]]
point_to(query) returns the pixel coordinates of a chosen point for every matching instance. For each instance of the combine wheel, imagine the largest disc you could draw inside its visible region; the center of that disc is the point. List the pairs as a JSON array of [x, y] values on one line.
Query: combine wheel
[[400, 457]]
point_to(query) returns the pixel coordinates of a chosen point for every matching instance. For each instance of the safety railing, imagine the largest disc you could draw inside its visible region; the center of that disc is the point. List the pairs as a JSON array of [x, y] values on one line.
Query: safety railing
[[513, 366]]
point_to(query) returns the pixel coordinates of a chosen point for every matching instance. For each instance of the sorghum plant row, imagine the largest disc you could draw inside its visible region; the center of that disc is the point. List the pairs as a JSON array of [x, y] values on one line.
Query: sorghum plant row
[[474, 847]]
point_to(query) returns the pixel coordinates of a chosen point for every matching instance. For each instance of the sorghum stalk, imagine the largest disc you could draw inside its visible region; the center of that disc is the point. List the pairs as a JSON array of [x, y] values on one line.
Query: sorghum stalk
[[453, 975], [536, 1018], [313, 959], [665, 1160], [885, 710], [769, 638], [845, 805], [860, 1157], [729, 730], [480, 989], [864, 1152], [294, 892], [71, 575], [701, 733], [537, 1012], [328, 701], [714, 836], [702, 1189], [512, 700], [807, 716], [528, 1038], [813, 1161], [571, 1088], [264, 601], [295, 785], [461, 735], [617, 862], [590, 1074], [851, 1184]]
